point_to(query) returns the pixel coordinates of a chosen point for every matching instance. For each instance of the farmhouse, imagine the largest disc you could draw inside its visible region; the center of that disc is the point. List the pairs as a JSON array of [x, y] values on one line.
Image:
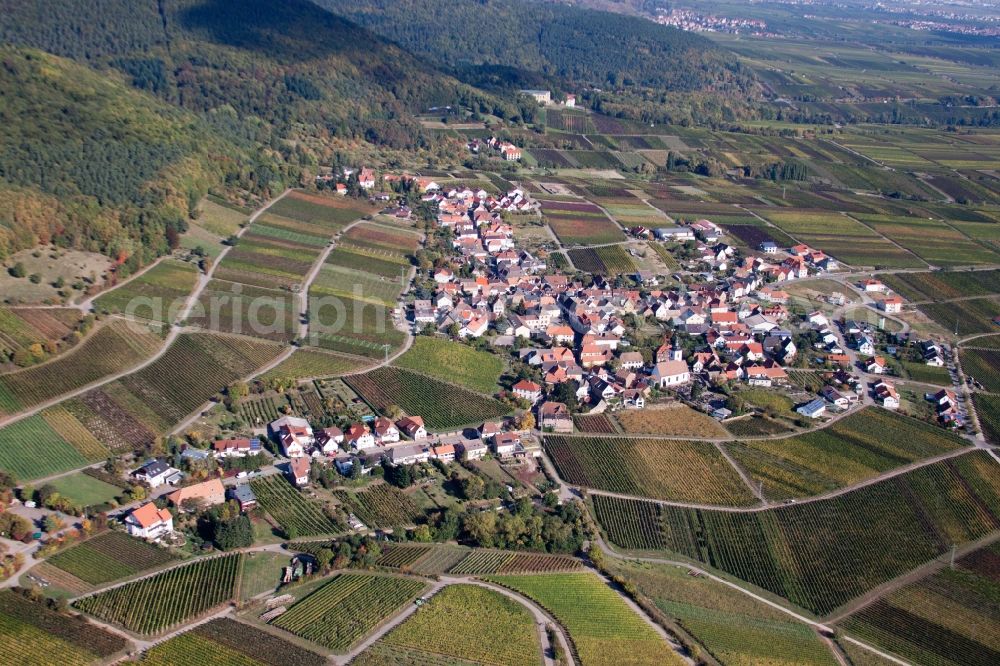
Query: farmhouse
[[156, 473], [298, 471], [205, 494], [555, 416], [294, 434], [149, 522]]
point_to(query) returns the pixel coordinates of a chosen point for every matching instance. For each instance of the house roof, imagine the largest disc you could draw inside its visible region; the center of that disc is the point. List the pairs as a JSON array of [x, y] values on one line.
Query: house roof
[[153, 468], [526, 385], [148, 515], [199, 491], [300, 467]]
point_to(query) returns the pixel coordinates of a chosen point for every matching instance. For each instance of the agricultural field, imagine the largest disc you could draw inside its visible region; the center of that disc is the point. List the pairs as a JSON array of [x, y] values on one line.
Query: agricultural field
[[669, 420], [159, 294], [310, 363], [604, 260], [921, 372], [151, 605], [109, 557], [600, 424], [883, 530], [261, 573], [111, 349], [729, 625], [326, 211], [226, 641], [505, 562], [20, 328], [380, 505], [375, 239], [580, 223], [495, 630], [988, 411], [755, 426], [402, 557], [290, 509], [347, 608], [854, 449], [41, 450], [602, 628], [454, 362], [246, 310], [219, 217], [949, 618], [934, 242], [967, 317], [84, 490], [443, 406], [440, 560], [32, 634], [943, 285], [664, 469], [983, 365]]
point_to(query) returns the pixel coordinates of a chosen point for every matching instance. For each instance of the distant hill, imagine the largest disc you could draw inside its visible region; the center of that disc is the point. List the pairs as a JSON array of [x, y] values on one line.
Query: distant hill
[[244, 93], [583, 46]]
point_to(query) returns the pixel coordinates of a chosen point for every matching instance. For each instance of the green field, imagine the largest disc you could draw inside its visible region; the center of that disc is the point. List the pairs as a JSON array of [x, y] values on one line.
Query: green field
[[110, 556], [988, 411], [453, 362], [983, 365], [605, 260], [30, 449], [310, 363], [162, 601], [226, 641], [855, 448], [380, 505], [291, 509], [601, 626], [84, 490], [950, 618], [731, 626], [32, 634], [656, 468], [443, 406], [495, 630], [158, 294], [819, 555], [347, 608]]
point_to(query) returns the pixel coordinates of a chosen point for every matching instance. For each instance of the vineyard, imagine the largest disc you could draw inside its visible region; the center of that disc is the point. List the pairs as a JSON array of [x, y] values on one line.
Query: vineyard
[[287, 506], [733, 627], [440, 560], [40, 450], [245, 310], [600, 424], [400, 557], [851, 450], [602, 627], [673, 419], [380, 505], [605, 260], [111, 349], [158, 294], [655, 468], [983, 365], [347, 608], [988, 411], [943, 285], [505, 562], [950, 618], [108, 557], [495, 630], [164, 600], [325, 211], [31, 633], [308, 363], [881, 531], [453, 362], [580, 223], [228, 642], [22, 327], [443, 406]]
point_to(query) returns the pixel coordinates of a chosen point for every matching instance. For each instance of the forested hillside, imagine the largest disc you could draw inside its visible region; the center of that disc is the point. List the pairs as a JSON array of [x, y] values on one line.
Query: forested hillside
[[581, 45], [277, 82]]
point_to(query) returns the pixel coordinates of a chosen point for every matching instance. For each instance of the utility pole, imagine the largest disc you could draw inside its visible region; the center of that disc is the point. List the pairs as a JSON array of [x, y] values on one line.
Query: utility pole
[[953, 546], [386, 348]]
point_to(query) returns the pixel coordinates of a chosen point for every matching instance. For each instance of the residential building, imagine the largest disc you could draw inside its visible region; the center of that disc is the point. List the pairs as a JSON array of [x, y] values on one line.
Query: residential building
[[555, 416], [205, 494], [294, 434], [149, 522], [157, 472], [298, 471], [527, 390], [413, 427], [244, 495]]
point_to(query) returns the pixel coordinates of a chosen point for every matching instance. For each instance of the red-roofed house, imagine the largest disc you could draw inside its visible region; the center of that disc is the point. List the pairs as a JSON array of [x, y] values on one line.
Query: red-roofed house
[[298, 471], [148, 522], [359, 436], [412, 427], [528, 390]]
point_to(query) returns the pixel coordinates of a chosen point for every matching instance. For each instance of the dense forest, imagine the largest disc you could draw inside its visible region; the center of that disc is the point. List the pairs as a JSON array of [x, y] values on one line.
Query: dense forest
[[580, 46], [262, 86]]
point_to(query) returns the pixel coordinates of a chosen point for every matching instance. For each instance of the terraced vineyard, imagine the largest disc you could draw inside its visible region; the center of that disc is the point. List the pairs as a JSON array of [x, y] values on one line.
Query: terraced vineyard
[[855, 448], [950, 618], [730, 626], [381, 505], [226, 641], [655, 468], [443, 406], [287, 506], [883, 530], [495, 630], [159, 602], [602, 627], [347, 608], [31, 633], [111, 349], [108, 557]]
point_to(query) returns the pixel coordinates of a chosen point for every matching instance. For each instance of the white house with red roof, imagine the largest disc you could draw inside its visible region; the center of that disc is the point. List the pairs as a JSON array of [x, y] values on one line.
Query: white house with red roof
[[294, 434], [298, 471], [359, 436], [149, 522], [412, 427], [385, 431], [329, 440], [671, 373], [527, 390]]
